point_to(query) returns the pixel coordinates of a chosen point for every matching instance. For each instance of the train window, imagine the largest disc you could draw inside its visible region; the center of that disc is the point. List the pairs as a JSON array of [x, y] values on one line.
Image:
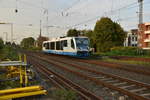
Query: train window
[[52, 45], [61, 45], [65, 43], [72, 43], [49, 45], [58, 45]]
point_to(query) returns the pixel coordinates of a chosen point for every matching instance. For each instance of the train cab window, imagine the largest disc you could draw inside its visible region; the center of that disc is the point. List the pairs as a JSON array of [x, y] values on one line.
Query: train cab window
[[52, 45], [65, 43], [44, 45], [58, 45], [47, 46], [72, 43]]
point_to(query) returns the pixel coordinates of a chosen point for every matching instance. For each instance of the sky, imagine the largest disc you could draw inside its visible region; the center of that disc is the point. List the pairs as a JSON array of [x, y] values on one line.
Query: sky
[[63, 15]]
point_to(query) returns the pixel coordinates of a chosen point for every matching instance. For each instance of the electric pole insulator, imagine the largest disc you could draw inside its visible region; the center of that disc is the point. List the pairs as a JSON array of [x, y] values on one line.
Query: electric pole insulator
[[140, 0], [16, 10]]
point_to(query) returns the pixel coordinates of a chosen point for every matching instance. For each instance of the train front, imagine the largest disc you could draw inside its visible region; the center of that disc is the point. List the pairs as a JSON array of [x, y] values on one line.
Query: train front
[[82, 46]]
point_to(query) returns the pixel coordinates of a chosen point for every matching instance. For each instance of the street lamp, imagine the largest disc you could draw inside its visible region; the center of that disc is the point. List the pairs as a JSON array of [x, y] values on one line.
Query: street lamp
[[11, 29], [6, 36]]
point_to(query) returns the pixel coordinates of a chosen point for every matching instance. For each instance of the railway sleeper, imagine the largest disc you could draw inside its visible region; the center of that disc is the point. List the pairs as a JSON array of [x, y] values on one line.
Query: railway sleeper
[[112, 81], [99, 77], [145, 94], [128, 86], [106, 79], [137, 90], [117, 84]]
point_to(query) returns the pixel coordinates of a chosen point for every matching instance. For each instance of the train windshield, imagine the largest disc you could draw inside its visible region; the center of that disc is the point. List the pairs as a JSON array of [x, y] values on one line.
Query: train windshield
[[82, 42]]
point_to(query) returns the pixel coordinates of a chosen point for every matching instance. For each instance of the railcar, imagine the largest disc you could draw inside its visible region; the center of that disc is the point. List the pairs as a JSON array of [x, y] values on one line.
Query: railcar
[[72, 46]]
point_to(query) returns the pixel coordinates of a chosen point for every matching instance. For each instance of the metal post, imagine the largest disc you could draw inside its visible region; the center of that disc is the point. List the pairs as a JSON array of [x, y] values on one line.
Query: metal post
[[140, 21], [6, 37], [25, 71], [47, 23], [40, 28], [11, 32], [21, 81], [140, 11]]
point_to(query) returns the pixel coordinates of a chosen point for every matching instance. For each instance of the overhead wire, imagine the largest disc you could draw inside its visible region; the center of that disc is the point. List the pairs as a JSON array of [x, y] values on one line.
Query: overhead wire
[[91, 19], [72, 5], [94, 18]]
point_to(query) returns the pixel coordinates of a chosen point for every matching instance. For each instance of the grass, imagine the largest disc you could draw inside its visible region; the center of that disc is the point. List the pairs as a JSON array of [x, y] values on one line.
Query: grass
[[60, 94], [8, 84], [113, 54], [127, 62]]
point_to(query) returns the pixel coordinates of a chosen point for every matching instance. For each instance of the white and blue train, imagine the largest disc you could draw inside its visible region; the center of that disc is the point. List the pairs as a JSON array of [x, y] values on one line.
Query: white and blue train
[[72, 46]]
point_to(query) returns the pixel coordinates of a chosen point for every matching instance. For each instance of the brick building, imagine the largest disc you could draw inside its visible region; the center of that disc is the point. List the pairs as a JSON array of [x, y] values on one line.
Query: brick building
[[144, 36], [131, 39]]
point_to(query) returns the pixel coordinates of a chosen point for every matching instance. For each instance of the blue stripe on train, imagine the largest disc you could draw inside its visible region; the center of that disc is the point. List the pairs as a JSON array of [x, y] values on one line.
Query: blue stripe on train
[[67, 53]]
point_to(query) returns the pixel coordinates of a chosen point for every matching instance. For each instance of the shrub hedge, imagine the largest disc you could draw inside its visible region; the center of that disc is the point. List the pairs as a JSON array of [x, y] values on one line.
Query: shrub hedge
[[129, 51]]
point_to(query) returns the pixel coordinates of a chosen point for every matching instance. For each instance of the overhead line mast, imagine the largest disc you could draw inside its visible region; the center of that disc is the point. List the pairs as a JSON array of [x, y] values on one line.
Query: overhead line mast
[[140, 36], [140, 11]]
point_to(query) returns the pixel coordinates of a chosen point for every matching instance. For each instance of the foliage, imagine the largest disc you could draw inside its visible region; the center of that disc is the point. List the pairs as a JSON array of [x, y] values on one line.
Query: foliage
[[8, 52], [128, 51], [108, 34], [8, 84], [1, 43], [73, 32], [27, 42], [40, 41], [127, 61], [34, 48], [64, 95]]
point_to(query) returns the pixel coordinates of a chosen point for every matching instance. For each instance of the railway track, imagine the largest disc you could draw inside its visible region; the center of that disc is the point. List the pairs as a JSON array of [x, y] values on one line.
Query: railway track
[[115, 66], [131, 58], [106, 64], [62, 82], [134, 89]]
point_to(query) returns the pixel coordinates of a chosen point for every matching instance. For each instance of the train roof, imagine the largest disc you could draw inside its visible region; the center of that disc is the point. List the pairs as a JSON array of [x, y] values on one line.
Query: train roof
[[63, 38]]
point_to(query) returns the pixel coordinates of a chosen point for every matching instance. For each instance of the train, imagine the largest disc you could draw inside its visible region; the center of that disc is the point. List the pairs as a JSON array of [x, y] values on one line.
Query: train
[[70, 46]]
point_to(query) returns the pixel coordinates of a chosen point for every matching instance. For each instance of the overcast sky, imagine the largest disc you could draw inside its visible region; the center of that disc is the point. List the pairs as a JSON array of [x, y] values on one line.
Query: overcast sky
[[65, 14]]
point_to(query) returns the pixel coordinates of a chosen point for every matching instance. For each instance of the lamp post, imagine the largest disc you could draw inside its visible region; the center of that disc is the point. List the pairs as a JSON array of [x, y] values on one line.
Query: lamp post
[[11, 30], [6, 37]]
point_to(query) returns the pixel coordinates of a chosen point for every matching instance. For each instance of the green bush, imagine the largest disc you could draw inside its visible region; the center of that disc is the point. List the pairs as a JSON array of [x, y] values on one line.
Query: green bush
[[128, 51], [1, 44], [8, 52]]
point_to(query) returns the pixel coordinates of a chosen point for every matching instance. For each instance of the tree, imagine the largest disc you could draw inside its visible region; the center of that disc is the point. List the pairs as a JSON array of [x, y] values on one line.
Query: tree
[[89, 34], [108, 34], [40, 41], [8, 43], [1, 43], [73, 32], [27, 42]]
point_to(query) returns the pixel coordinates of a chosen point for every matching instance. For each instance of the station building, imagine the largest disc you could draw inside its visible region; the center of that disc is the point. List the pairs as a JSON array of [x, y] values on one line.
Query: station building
[[144, 36]]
